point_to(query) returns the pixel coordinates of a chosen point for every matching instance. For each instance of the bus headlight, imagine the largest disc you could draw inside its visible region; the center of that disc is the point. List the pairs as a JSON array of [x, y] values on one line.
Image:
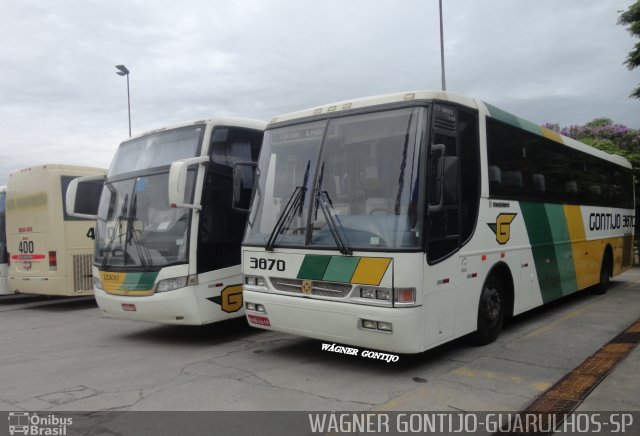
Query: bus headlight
[[255, 281], [381, 295], [97, 283], [368, 293], [171, 284], [255, 307]]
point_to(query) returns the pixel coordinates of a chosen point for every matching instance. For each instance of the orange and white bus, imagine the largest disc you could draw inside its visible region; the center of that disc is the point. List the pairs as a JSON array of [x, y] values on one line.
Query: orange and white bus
[[49, 250]]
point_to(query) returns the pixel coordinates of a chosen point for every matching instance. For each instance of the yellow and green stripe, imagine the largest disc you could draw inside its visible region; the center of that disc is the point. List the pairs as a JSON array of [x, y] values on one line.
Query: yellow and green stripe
[[516, 121], [128, 283], [565, 261], [344, 269]]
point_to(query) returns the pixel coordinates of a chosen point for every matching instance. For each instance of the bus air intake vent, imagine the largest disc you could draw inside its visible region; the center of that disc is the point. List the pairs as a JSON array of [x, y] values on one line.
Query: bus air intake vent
[[320, 288], [82, 278]]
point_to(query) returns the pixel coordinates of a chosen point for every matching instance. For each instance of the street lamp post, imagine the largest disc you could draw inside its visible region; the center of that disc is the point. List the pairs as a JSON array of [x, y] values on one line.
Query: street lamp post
[[444, 83], [123, 71]]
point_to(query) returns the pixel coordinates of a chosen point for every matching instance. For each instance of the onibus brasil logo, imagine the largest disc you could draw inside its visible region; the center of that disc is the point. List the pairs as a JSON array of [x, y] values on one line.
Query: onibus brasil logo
[[27, 423]]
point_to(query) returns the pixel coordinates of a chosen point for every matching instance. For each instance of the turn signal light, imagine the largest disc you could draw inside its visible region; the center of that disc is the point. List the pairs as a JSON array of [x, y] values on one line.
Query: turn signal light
[[405, 295]]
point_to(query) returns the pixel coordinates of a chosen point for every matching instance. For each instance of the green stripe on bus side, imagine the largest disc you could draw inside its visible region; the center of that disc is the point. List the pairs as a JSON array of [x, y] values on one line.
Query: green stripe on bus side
[[531, 127], [502, 115], [513, 120], [562, 245], [542, 246]]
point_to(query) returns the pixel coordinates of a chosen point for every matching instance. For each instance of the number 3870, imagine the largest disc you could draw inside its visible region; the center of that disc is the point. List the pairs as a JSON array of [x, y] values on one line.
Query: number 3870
[[267, 264]]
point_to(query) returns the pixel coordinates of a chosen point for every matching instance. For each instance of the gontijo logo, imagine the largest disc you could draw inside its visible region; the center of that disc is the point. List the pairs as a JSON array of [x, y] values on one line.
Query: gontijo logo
[[33, 424], [230, 299], [502, 227]]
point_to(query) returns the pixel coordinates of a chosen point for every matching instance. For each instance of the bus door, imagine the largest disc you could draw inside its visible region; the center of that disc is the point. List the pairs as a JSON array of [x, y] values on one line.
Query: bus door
[[220, 227], [453, 198]]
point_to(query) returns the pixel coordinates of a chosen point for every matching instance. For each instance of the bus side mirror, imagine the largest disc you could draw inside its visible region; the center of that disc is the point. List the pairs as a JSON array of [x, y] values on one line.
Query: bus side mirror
[[243, 180], [83, 196], [178, 181]]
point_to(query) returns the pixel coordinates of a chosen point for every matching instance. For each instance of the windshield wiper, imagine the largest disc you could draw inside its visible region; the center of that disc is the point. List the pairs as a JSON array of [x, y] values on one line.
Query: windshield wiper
[[294, 200], [295, 203], [143, 252], [335, 227], [324, 203], [117, 229]]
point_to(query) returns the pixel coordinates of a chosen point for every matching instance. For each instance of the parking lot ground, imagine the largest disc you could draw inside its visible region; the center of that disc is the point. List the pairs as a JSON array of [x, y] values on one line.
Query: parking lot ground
[[64, 355]]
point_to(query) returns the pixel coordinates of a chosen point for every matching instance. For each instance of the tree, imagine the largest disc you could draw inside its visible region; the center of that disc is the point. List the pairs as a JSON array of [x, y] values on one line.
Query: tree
[[631, 19], [604, 134]]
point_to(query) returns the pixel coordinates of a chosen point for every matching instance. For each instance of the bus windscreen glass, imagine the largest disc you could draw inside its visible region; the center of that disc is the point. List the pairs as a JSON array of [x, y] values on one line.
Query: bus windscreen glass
[[156, 150], [367, 183]]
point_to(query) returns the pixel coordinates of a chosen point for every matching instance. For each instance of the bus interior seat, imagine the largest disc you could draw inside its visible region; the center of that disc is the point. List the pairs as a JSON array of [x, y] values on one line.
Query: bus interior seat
[[495, 176], [539, 183], [595, 190], [378, 205], [512, 178], [571, 187], [240, 151]]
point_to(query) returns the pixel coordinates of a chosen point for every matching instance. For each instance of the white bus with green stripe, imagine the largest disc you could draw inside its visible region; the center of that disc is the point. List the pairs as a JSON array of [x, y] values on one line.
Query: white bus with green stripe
[[167, 241], [403, 221]]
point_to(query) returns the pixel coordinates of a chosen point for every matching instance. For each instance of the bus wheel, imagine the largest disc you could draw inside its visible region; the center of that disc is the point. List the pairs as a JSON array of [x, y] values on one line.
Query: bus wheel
[[605, 276], [490, 312]]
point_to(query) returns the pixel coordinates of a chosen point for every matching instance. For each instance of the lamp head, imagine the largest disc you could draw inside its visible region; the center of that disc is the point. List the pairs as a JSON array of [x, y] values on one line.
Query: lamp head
[[123, 70]]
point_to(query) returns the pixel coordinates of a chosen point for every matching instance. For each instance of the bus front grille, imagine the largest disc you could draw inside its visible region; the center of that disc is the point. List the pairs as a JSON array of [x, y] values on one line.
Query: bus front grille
[[325, 289], [82, 278]]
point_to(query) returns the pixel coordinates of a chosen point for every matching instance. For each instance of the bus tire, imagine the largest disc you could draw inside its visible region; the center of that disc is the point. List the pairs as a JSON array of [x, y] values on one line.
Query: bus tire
[[605, 275], [491, 312]]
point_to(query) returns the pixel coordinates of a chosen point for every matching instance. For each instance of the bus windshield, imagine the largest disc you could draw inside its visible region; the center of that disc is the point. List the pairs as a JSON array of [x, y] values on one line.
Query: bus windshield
[[136, 228], [351, 181], [156, 150]]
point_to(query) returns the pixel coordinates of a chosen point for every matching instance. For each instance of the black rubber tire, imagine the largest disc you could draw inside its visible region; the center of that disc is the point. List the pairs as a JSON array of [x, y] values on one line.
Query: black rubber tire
[[605, 276], [491, 312]]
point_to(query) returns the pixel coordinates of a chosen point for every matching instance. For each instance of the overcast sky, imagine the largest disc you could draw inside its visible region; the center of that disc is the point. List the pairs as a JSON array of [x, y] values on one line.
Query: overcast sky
[[61, 101]]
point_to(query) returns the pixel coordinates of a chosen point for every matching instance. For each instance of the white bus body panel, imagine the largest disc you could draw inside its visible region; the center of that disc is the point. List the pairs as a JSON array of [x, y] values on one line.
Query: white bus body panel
[[216, 297]]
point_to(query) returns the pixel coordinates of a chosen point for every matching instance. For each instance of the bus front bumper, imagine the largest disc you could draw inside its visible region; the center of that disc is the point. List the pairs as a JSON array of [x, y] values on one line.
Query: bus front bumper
[[174, 307], [337, 322]]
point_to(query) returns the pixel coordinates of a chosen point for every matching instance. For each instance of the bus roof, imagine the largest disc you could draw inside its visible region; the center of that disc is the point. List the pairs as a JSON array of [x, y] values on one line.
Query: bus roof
[[221, 121], [487, 109], [65, 167]]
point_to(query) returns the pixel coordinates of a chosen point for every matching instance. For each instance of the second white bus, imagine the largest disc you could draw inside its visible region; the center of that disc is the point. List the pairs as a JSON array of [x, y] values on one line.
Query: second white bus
[[167, 241]]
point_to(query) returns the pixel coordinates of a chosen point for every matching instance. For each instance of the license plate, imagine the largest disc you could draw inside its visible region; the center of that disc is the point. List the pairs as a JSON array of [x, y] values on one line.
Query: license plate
[[259, 320], [128, 307]]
